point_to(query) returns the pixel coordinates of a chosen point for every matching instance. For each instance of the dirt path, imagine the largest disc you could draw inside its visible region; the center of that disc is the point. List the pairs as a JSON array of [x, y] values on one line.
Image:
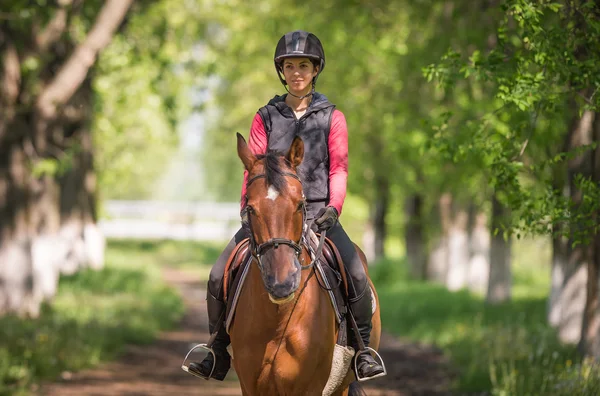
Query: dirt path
[[155, 370]]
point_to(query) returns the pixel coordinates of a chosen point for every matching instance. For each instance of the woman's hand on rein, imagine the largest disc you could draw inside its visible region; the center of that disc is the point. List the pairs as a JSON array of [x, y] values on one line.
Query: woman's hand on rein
[[326, 218]]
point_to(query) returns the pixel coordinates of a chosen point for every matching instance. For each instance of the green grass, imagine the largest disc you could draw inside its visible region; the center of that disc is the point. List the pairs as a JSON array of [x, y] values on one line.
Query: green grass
[[96, 313], [505, 349]]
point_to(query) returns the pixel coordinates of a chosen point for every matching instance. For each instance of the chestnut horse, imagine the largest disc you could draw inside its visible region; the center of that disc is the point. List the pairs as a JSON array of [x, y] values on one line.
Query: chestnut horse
[[284, 330]]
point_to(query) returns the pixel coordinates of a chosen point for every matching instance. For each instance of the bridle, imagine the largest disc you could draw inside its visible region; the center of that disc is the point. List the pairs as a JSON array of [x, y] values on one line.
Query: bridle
[[258, 250]]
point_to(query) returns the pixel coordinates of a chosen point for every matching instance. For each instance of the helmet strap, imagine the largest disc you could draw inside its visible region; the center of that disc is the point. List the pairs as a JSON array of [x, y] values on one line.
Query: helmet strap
[[312, 91]]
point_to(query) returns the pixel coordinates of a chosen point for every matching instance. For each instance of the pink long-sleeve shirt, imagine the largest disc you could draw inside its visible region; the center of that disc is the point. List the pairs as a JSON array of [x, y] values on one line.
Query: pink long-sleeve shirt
[[338, 156]]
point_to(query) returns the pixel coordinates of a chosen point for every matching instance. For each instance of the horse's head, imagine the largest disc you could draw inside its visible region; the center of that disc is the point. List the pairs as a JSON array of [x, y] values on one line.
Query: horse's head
[[276, 213]]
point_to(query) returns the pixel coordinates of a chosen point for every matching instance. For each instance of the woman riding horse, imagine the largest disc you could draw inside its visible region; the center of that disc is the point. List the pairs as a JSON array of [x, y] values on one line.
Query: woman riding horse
[[305, 113]]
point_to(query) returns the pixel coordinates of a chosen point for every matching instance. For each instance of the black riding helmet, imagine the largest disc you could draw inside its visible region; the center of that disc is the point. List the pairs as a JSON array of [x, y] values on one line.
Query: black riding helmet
[[299, 44]]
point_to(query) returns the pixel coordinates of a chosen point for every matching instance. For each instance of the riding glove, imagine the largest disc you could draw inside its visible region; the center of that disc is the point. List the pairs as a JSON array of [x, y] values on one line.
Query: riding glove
[[326, 218]]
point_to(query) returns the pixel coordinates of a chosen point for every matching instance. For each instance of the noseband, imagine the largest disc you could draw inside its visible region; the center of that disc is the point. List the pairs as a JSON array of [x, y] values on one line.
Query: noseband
[[260, 249]]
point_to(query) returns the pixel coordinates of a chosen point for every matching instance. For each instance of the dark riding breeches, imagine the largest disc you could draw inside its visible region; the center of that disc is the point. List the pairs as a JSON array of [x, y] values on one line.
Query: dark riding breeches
[[358, 288], [351, 260]]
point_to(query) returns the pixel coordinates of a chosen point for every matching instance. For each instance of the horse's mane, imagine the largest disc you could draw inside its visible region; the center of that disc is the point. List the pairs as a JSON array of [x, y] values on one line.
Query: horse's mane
[[275, 165]]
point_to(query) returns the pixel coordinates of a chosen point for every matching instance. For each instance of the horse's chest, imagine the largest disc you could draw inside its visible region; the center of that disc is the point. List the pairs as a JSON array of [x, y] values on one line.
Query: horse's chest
[[291, 362], [290, 375], [284, 350]]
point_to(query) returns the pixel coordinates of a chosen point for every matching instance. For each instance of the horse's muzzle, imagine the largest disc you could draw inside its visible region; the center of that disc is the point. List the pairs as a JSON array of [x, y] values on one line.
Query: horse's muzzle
[[281, 281], [284, 289]]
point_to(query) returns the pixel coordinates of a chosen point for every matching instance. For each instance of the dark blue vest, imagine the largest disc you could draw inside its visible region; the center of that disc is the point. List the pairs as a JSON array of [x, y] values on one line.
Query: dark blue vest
[[313, 127]]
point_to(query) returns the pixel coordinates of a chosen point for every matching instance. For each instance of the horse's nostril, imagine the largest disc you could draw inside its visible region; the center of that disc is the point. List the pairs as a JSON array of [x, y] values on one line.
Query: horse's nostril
[[285, 288]]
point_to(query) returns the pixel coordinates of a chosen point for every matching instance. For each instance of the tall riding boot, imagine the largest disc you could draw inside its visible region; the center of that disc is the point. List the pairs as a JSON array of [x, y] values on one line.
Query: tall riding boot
[[216, 314], [366, 365]]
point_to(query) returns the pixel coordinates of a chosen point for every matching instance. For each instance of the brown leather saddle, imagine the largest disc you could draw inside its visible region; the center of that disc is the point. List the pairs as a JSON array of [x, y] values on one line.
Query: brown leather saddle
[[329, 269]]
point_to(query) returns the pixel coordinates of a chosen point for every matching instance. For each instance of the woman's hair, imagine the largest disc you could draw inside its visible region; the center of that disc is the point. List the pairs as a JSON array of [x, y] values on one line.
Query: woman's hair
[[316, 63]]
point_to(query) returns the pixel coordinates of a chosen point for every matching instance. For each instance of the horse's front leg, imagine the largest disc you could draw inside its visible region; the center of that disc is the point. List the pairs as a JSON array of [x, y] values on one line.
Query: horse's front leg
[[246, 376], [244, 391]]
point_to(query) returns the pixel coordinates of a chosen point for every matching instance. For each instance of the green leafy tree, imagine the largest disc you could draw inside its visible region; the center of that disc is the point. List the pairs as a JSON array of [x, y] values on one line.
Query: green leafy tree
[[544, 74]]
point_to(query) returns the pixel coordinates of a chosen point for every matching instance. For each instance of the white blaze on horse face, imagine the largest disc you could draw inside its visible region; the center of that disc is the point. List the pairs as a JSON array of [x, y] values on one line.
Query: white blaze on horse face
[[272, 193]]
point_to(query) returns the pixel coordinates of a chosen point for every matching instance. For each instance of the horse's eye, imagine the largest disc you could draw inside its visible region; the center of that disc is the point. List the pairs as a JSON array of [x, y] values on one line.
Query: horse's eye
[[300, 206]]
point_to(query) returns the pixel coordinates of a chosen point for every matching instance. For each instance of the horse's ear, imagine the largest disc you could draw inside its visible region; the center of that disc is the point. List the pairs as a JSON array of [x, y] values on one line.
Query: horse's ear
[[247, 157], [296, 153]]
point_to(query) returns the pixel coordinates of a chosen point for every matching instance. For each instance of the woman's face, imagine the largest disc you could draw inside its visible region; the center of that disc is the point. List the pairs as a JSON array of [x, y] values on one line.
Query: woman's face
[[298, 73]]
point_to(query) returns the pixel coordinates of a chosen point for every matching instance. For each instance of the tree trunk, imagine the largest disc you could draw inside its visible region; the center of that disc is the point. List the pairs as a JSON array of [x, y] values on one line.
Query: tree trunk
[[449, 260], [568, 298], [479, 250], [560, 256], [379, 213], [590, 333], [30, 248], [414, 236], [458, 251], [500, 280], [74, 71], [78, 209], [368, 242], [560, 260], [16, 269], [78, 192], [437, 262]]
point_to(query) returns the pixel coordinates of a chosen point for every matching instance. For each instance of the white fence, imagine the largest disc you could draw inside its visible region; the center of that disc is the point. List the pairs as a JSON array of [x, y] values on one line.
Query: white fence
[[197, 221]]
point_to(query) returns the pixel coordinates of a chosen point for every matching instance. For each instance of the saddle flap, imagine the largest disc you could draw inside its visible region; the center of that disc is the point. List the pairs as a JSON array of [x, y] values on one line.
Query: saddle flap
[[237, 257], [235, 273]]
